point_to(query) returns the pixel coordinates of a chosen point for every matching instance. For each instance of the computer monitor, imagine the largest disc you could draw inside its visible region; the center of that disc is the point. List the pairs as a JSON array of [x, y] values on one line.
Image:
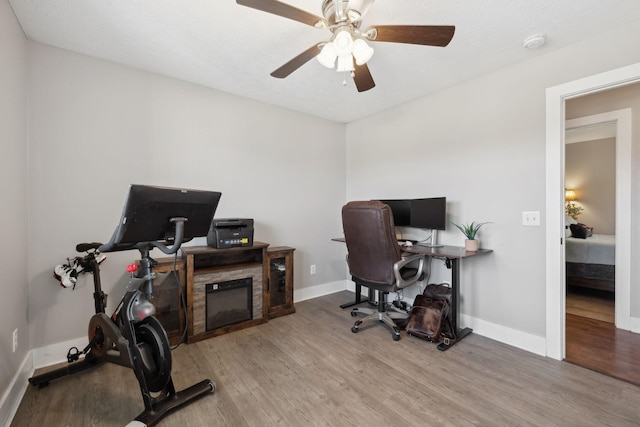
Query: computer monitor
[[148, 210], [428, 213], [401, 211]]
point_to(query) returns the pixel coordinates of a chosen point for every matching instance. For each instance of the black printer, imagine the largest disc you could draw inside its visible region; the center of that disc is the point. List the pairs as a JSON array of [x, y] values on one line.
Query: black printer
[[230, 233]]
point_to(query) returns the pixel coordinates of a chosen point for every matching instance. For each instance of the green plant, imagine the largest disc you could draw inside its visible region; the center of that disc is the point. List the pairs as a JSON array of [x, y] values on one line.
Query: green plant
[[470, 230], [573, 210]]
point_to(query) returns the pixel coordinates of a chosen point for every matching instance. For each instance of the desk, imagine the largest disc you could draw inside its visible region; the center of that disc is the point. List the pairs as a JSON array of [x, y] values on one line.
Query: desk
[[452, 256]]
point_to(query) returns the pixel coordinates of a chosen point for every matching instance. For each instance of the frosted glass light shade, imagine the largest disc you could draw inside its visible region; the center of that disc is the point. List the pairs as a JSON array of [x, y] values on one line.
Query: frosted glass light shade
[[362, 52], [345, 63], [327, 56], [343, 43]]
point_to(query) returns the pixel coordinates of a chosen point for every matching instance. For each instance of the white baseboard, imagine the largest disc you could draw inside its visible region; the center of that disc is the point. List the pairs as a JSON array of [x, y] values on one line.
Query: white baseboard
[[56, 353], [634, 324], [320, 290], [13, 395], [513, 337]]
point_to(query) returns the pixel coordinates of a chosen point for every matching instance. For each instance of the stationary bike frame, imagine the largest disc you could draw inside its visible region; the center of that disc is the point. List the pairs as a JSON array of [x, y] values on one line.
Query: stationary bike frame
[[132, 336]]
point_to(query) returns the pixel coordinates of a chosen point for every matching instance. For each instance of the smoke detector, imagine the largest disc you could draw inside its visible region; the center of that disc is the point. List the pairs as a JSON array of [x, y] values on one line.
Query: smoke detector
[[535, 41]]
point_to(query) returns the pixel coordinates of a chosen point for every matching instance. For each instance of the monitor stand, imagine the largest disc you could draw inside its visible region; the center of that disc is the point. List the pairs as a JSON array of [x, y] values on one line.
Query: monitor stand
[[434, 241]]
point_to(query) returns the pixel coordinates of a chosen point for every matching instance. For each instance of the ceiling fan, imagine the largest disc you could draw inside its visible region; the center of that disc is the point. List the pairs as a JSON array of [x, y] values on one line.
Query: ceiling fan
[[347, 49]]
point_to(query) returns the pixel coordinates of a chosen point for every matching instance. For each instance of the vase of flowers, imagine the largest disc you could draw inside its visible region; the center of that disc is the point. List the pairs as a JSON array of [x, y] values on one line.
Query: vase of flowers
[[470, 230]]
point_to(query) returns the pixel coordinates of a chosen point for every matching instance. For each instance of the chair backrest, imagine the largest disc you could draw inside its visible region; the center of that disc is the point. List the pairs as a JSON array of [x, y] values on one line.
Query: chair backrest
[[371, 241]]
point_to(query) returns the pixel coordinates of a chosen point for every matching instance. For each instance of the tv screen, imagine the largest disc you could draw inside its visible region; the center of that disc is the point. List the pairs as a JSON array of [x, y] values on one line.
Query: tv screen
[[148, 210]]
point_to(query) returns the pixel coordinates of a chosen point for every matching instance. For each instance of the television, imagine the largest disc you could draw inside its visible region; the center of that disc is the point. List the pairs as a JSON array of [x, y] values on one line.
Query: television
[[428, 213], [148, 211]]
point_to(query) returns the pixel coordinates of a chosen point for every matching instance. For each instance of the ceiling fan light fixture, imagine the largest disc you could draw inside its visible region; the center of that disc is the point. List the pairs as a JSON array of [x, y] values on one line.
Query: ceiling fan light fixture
[[343, 43], [345, 63], [327, 55], [362, 52]]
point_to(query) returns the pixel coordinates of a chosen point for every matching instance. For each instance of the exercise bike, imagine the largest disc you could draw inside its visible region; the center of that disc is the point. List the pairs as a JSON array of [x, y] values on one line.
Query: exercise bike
[[132, 336]]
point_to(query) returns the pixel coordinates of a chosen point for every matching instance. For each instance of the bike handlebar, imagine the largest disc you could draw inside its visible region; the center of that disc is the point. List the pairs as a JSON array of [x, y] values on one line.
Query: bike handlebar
[[113, 245]]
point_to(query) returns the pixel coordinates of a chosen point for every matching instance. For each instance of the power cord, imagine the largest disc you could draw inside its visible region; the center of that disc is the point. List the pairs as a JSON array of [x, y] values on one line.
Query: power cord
[[183, 301]]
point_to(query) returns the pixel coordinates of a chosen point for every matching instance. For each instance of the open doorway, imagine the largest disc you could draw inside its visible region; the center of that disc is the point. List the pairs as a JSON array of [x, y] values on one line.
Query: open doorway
[[620, 251], [605, 347], [590, 190], [555, 257]]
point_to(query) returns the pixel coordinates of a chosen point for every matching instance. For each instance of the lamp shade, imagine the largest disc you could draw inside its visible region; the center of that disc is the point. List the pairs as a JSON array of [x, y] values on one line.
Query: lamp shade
[[362, 52], [343, 43], [327, 55], [345, 63], [570, 195]]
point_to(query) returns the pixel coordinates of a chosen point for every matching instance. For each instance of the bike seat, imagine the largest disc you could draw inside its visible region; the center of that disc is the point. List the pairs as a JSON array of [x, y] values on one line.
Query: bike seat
[[83, 247]]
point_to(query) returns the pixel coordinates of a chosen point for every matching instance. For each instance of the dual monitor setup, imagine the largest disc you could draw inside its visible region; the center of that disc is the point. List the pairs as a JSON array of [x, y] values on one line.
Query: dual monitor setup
[[429, 213]]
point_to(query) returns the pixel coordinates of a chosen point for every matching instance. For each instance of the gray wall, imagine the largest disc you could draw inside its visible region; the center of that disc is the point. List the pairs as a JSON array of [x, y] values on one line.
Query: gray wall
[[590, 169], [96, 127], [13, 186], [482, 145]]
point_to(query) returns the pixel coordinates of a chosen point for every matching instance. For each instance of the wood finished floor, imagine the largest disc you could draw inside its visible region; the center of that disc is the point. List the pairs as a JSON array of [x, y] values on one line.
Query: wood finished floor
[[593, 341], [591, 303], [309, 369]]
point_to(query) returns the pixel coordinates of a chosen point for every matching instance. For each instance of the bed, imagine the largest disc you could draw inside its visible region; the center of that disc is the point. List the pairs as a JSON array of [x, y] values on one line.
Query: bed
[[591, 261]]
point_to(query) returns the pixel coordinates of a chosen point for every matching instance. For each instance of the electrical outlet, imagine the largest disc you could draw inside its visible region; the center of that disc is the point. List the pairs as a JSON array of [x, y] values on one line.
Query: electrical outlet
[[15, 339], [531, 218], [313, 269]]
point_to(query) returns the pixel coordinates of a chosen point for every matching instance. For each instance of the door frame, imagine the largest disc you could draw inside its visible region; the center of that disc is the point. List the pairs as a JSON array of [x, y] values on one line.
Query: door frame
[[554, 158]]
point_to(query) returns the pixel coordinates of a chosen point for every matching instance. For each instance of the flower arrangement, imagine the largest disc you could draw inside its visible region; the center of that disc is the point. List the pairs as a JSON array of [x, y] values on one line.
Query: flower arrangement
[[573, 210], [470, 230]]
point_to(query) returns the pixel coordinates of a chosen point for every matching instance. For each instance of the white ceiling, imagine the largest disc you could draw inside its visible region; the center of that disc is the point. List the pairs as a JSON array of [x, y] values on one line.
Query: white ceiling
[[221, 45]]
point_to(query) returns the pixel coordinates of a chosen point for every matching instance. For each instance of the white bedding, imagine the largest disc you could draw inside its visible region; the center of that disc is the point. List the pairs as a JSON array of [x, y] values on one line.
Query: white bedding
[[597, 249]]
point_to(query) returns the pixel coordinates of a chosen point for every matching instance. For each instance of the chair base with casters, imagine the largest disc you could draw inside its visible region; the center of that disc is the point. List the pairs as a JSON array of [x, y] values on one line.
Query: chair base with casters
[[385, 313]]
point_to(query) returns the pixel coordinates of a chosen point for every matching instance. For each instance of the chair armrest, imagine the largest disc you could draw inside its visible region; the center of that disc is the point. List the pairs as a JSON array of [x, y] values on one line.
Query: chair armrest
[[400, 281]]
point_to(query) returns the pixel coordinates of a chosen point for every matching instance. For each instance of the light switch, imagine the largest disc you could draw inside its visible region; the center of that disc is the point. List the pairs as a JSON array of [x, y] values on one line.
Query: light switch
[[531, 218]]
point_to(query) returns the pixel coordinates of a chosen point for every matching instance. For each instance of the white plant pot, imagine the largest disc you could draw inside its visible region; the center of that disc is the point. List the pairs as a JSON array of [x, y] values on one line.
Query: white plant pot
[[472, 245]]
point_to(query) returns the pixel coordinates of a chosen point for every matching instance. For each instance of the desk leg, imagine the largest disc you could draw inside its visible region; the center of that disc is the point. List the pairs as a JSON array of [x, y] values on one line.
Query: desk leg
[[455, 306], [358, 297]]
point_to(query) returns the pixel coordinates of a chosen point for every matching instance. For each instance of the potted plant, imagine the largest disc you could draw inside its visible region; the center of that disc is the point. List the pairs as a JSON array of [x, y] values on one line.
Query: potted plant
[[573, 210], [470, 231]]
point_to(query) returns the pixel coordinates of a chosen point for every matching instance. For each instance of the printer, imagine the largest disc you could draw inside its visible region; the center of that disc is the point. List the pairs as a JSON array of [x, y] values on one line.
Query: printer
[[230, 233]]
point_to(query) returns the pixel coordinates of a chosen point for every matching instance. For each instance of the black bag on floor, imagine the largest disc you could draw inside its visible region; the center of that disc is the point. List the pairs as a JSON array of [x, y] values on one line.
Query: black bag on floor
[[430, 316]]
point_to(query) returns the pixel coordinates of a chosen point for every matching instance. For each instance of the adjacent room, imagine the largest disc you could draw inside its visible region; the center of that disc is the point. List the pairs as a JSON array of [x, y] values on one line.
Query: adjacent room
[[257, 105]]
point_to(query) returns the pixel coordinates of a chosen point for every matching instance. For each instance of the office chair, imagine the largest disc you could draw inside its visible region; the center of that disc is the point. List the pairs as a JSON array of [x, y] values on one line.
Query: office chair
[[375, 260]]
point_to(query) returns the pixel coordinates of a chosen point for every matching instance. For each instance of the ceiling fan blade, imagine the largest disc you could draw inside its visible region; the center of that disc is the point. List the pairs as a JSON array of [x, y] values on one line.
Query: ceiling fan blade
[[287, 11], [429, 35], [297, 62], [362, 78]]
